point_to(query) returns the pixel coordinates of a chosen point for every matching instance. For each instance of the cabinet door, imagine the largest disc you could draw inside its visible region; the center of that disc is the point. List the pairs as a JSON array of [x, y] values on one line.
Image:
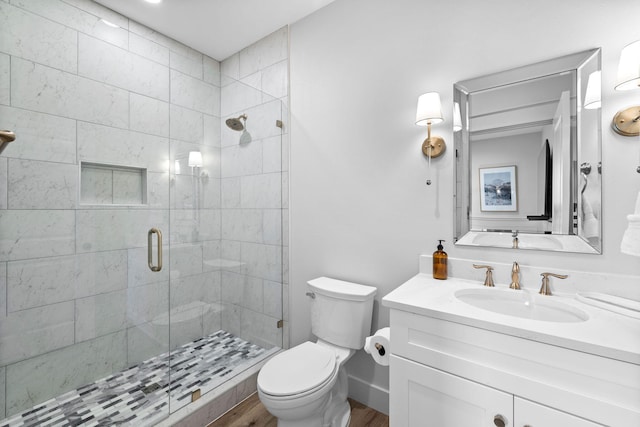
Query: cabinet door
[[529, 414], [420, 396]]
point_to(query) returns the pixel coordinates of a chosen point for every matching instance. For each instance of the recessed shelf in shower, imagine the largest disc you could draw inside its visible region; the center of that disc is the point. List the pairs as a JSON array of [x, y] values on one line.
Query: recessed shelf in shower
[[103, 184]]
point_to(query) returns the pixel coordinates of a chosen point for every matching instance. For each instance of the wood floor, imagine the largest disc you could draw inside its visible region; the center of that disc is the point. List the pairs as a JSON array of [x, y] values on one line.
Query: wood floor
[[253, 413]]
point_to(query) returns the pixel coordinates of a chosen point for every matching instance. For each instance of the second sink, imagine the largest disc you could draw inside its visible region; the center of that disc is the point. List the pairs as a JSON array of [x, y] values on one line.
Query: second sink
[[523, 304]]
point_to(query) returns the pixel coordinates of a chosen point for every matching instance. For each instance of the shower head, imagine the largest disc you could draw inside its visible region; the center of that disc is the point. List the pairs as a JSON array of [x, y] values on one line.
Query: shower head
[[236, 124]]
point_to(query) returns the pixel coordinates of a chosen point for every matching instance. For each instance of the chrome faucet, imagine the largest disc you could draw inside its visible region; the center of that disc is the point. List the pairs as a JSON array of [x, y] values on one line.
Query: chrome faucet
[[514, 234], [515, 276], [545, 289], [488, 280]]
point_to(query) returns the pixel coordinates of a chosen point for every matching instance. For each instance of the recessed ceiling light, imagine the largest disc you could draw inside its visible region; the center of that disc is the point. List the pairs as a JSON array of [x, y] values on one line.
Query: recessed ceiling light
[[153, 1]]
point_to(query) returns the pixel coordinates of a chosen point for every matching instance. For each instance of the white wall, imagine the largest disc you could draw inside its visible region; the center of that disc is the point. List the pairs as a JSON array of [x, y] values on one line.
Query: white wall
[[360, 210]]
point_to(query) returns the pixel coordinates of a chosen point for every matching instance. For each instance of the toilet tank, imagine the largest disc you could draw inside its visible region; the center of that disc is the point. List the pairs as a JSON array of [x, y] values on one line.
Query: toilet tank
[[341, 311]]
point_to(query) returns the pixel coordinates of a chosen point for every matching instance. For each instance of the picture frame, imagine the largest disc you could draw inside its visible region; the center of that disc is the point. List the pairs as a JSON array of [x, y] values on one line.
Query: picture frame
[[498, 189]]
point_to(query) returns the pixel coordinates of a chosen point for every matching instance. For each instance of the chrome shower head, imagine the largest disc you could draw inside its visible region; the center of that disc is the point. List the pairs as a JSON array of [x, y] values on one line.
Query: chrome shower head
[[236, 123]]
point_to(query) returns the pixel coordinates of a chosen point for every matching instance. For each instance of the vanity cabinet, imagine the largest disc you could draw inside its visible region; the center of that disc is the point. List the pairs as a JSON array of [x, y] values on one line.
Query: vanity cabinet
[[445, 373], [425, 397]]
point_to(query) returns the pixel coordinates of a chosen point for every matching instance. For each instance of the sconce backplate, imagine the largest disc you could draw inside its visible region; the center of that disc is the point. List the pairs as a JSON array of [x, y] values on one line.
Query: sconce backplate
[[627, 121], [437, 147]]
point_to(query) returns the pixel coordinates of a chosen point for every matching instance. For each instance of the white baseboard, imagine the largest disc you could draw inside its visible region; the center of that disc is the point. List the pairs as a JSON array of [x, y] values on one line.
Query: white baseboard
[[369, 394]]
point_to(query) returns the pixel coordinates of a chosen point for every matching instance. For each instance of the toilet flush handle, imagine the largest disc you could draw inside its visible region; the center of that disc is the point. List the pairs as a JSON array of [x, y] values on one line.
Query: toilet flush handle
[[311, 295]]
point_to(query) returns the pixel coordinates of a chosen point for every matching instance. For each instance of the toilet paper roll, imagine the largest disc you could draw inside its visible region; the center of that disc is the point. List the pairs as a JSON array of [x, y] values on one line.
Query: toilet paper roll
[[378, 346]]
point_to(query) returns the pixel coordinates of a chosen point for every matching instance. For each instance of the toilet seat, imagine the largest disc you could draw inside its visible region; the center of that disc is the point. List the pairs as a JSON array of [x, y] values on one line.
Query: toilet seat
[[298, 371]]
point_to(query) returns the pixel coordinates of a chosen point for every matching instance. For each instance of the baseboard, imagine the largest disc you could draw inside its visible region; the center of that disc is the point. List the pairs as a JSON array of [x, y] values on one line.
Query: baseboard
[[369, 394]]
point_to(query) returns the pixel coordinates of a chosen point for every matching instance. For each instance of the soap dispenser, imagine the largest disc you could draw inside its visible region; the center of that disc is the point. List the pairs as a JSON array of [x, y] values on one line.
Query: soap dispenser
[[440, 262]]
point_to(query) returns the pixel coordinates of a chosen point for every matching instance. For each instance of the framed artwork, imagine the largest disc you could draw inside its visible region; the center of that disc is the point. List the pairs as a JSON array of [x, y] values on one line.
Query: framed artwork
[[498, 189]]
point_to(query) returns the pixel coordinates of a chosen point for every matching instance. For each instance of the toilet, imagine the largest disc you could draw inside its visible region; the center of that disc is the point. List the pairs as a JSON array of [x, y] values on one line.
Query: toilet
[[307, 385]]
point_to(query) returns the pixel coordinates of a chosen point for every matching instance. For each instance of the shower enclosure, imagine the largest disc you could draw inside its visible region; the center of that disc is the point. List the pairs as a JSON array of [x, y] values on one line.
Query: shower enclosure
[[141, 239]]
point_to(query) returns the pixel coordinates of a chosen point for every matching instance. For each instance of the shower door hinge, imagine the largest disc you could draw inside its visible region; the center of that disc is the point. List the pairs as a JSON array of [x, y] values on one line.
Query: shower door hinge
[[280, 324], [279, 124]]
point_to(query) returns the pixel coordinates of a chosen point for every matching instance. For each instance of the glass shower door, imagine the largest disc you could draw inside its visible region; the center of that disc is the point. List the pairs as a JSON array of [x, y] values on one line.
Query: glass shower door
[[114, 140], [226, 244], [81, 186], [83, 309]]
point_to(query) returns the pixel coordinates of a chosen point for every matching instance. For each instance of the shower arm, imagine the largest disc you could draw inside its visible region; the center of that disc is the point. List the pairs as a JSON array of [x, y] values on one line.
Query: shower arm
[[6, 136]]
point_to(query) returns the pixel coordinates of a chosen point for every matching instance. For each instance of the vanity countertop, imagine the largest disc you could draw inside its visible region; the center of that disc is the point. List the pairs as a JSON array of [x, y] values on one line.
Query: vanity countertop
[[604, 333]]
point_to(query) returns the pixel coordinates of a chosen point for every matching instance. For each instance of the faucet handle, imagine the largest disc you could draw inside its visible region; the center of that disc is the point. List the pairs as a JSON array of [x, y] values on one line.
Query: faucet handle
[[515, 276], [488, 280], [545, 289]]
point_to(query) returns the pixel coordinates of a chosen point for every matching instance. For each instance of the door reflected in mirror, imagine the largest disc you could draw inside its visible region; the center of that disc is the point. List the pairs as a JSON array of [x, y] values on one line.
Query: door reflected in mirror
[[528, 156]]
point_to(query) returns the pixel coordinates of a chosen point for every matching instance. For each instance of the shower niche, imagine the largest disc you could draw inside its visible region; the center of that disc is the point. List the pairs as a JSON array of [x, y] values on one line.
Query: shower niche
[[102, 184]]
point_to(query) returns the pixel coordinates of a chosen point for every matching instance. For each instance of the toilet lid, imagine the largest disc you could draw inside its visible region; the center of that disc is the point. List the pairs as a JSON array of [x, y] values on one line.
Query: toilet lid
[[297, 370]]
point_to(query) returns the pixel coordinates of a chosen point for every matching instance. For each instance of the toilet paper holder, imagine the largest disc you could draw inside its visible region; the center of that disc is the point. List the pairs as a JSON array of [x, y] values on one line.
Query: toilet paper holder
[[380, 343]]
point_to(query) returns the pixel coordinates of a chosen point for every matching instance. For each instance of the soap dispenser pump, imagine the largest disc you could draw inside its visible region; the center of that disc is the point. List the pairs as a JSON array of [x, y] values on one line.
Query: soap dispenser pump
[[440, 262]]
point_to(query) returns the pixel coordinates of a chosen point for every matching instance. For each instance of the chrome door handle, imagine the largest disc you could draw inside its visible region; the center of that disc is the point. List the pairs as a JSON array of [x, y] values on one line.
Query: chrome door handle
[[150, 250]]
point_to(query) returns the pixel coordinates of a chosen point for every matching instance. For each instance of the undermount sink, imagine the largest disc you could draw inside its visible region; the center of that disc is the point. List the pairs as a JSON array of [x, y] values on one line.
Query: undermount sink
[[521, 303]]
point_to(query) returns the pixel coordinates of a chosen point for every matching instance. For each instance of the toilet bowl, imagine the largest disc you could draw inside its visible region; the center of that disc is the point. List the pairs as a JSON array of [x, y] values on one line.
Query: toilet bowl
[[307, 385]]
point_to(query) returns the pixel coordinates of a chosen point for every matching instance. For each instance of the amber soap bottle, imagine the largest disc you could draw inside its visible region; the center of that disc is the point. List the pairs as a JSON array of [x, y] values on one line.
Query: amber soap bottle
[[440, 262]]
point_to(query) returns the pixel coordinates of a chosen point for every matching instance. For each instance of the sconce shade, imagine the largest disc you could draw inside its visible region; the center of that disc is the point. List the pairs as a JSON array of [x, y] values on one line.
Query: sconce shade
[[429, 109], [631, 239], [592, 99], [629, 67], [457, 118], [195, 159]]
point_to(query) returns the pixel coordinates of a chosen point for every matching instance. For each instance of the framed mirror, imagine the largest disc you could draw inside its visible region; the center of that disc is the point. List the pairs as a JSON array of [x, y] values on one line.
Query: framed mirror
[[528, 157]]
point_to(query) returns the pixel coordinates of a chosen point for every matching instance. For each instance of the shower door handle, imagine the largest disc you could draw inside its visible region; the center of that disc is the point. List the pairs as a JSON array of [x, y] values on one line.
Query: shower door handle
[[150, 250]]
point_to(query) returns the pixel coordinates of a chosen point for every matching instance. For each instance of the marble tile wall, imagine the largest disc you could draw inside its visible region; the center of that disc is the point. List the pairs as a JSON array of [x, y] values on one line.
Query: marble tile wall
[[254, 192], [77, 300]]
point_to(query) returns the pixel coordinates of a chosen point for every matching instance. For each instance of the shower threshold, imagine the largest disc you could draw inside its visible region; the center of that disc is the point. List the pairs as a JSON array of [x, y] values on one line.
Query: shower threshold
[[144, 394]]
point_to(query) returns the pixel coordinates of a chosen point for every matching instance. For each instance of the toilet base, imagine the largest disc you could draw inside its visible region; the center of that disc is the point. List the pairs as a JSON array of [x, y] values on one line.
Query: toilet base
[[332, 411], [343, 416], [338, 412]]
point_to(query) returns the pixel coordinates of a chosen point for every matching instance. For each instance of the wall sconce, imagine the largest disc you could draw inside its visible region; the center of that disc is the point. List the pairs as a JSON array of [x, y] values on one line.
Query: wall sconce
[[430, 112], [195, 159], [627, 122], [593, 97], [457, 117]]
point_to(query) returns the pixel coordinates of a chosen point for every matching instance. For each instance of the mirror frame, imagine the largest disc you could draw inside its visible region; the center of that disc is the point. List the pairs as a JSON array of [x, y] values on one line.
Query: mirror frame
[[582, 63]]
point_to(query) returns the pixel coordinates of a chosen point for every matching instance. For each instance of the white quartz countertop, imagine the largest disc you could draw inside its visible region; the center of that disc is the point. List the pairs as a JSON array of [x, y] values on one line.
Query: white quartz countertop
[[604, 333]]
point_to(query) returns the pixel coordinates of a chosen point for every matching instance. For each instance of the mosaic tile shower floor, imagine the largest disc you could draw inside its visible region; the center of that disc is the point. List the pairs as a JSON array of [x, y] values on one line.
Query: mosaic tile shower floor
[[141, 395]]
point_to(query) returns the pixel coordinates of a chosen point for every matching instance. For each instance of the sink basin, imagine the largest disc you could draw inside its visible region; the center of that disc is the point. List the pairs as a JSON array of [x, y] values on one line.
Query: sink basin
[[521, 303]]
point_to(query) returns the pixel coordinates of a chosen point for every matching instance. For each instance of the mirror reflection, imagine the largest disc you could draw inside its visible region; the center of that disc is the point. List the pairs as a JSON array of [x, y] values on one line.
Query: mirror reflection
[[528, 157]]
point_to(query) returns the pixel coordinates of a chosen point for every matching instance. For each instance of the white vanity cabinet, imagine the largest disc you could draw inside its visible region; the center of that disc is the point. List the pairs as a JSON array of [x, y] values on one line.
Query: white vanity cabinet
[[423, 396], [444, 373]]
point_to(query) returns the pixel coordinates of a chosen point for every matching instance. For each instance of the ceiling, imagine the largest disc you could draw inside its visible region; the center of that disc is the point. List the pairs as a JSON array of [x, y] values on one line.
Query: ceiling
[[218, 28]]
